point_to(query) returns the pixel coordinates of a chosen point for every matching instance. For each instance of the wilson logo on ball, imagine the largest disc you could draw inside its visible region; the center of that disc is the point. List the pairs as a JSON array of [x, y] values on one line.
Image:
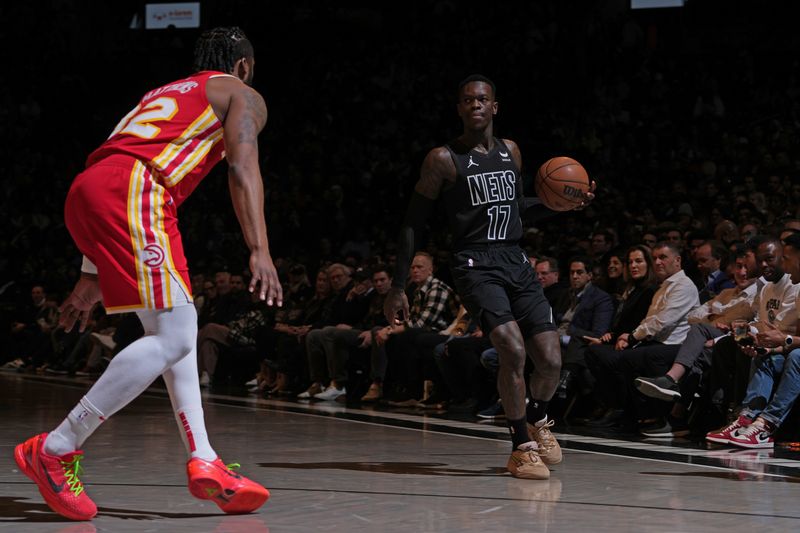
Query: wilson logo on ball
[[573, 192], [561, 183]]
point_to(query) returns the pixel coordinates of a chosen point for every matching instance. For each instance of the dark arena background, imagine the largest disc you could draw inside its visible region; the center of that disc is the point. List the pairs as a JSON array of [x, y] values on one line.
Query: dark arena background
[[687, 118]]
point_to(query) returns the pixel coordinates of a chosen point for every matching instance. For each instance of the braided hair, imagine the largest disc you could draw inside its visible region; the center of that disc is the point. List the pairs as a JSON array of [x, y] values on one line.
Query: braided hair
[[220, 49]]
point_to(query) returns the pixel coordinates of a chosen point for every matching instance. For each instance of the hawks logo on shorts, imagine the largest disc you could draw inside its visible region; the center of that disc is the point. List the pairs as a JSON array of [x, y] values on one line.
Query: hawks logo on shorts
[[154, 255]]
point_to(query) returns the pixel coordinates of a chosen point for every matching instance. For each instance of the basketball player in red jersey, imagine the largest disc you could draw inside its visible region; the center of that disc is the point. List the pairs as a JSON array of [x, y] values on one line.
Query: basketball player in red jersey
[[478, 177], [121, 212]]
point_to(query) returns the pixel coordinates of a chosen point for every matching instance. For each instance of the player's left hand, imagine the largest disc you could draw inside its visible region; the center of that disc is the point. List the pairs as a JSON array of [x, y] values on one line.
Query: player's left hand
[[264, 274], [80, 303], [588, 197]]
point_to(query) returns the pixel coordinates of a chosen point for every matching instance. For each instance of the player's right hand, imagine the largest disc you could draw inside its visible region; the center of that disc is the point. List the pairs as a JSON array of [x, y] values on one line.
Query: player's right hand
[[79, 304], [395, 303], [588, 197], [263, 273]]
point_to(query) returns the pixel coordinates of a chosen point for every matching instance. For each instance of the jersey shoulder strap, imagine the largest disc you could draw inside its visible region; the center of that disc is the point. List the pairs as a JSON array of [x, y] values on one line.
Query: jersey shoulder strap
[[458, 153]]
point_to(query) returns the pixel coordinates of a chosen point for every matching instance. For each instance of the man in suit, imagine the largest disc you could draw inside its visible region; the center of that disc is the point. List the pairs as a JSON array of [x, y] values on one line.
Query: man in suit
[[589, 312], [712, 262]]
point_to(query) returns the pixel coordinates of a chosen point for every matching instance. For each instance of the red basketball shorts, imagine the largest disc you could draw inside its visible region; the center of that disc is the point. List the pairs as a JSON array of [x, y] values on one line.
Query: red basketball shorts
[[126, 223]]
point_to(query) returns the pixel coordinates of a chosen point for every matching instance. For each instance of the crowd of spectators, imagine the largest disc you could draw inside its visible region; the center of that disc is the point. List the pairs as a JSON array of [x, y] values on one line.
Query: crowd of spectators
[[687, 119]]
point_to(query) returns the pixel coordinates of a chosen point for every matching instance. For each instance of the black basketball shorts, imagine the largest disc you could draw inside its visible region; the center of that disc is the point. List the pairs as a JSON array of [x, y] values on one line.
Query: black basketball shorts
[[498, 285]]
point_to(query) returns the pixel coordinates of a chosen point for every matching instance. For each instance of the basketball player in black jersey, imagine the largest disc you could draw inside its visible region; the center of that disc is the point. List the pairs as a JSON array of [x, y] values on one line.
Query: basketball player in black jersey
[[478, 177]]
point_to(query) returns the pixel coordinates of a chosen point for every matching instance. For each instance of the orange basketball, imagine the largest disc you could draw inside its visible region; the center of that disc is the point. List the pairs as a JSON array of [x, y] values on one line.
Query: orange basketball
[[561, 183]]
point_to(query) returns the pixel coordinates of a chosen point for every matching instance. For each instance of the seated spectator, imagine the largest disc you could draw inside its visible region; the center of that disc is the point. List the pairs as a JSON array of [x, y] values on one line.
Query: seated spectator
[[785, 232], [226, 305], [198, 288], [294, 321], [762, 412], [73, 349], [548, 275], [347, 308], [436, 393], [589, 314], [601, 244], [202, 299], [709, 322], [727, 232], [403, 345], [612, 279], [653, 344], [337, 341], [458, 360], [237, 283], [641, 286], [670, 234], [649, 239], [242, 332], [712, 262], [731, 368], [30, 331]]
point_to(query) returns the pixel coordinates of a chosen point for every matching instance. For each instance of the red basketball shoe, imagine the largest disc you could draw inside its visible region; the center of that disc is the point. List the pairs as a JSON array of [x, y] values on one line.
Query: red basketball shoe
[[56, 477], [216, 481]]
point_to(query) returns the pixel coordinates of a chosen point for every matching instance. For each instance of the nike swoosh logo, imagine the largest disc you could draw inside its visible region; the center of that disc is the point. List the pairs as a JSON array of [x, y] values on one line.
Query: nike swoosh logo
[[504, 154], [56, 488], [29, 459]]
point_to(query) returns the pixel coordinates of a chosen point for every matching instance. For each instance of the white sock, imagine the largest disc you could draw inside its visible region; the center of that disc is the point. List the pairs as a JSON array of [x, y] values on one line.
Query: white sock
[[170, 336], [194, 433], [183, 386], [75, 429]]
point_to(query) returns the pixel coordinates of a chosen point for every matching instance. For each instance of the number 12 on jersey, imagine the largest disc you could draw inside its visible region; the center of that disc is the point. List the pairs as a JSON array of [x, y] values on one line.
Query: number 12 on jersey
[[499, 216]]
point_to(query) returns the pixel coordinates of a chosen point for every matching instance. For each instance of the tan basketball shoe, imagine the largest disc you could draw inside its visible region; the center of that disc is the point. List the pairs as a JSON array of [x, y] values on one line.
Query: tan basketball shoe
[[525, 462], [549, 449]]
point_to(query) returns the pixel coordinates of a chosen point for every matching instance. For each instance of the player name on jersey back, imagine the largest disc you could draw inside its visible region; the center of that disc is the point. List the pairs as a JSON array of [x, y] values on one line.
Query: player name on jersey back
[[182, 87]]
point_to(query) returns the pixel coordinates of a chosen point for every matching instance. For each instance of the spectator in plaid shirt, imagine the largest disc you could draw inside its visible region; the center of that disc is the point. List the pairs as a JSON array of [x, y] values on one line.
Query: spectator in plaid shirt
[[401, 346]]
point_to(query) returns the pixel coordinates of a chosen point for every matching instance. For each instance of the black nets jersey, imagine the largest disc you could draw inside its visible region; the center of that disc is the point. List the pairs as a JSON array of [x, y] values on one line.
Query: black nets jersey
[[482, 204]]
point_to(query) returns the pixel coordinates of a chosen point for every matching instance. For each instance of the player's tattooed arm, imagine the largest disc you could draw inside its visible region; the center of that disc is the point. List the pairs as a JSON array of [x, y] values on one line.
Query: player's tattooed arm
[[245, 118], [255, 118], [438, 172]]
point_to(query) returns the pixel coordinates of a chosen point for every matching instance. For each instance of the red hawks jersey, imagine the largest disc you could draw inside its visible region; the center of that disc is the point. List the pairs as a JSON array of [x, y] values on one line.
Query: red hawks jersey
[[174, 132]]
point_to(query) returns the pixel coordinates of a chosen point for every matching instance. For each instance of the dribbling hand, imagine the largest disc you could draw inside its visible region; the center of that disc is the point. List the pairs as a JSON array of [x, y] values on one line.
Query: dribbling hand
[[588, 197], [264, 274]]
